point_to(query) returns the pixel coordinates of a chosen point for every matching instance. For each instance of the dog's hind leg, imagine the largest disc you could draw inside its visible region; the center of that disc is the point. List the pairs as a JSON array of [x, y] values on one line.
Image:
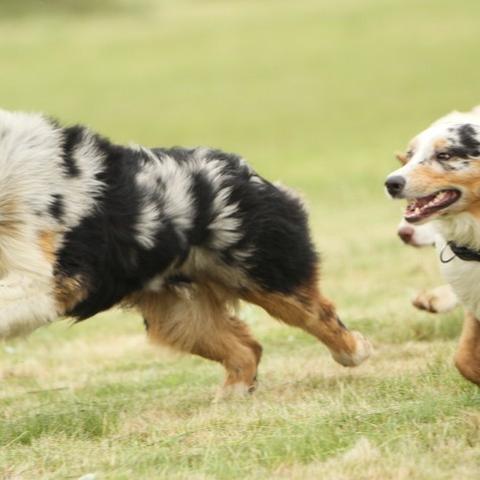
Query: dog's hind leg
[[199, 319], [233, 346], [467, 358], [307, 309]]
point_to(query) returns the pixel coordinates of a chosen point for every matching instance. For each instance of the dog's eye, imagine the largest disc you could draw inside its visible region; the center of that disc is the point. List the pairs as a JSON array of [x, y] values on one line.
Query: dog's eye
[[443, 156]]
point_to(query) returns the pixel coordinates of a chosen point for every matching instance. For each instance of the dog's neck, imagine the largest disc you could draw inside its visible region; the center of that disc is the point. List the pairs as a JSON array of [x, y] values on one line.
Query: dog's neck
[[463, 229]]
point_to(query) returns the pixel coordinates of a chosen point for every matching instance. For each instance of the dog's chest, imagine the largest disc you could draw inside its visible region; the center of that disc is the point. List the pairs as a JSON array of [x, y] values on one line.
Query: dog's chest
[[463, 276]]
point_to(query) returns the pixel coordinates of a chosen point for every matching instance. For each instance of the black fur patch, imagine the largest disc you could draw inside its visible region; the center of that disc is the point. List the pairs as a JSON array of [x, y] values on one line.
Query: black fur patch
[[57, 207], [72, 137], [204, 195], [178, 279], [275, 227], [341, 324], [468, 145]]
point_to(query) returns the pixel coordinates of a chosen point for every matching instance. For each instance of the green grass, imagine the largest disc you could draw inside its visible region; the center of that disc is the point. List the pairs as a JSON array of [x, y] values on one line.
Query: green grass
[[318, 94]]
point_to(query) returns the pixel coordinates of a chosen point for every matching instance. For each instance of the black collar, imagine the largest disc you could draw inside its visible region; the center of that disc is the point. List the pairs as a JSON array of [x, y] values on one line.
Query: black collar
[[463, 253]]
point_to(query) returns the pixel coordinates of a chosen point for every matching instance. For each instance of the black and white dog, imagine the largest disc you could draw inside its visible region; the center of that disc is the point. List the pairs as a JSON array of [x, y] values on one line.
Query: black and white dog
[[179, 234]]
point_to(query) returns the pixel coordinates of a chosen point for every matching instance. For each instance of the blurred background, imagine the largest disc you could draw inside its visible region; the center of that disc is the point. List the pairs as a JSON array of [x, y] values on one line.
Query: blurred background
[[316, 93]]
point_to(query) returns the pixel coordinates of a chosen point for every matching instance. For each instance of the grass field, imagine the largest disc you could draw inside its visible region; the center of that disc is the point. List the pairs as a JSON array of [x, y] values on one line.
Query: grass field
[[318, 94]]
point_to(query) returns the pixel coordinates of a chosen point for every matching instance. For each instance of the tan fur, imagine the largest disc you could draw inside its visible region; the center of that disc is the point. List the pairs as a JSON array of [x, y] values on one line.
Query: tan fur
[[308, 310], [200, 319], [474, 207], [467, 358], [429, 180], [68, 292], [440, 144], [401, 157], [426, 176], [404, 158], [47, 243]]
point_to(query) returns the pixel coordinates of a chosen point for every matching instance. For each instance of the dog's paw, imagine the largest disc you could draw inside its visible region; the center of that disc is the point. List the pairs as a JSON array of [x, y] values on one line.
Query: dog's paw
[[363, 350], [437, 300], [237, 390]]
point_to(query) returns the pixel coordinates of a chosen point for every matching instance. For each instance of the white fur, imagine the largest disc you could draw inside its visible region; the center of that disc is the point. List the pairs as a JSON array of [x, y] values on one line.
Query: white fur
[[156, 284], [177, 195], [175, 191], [224, 226], [148, 224], [25, 304], [28, 145], [462, 228], [30, 163], [422, 235], [440, 299], [464, 277], [362, 351], [82, 191]]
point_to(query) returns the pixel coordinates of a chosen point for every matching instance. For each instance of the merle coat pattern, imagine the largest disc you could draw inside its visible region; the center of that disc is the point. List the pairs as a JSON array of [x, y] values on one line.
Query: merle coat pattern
[[178, 234]]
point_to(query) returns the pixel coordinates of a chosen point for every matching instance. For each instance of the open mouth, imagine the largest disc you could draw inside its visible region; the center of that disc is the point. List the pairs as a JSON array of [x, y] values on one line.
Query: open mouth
[[421, 208]]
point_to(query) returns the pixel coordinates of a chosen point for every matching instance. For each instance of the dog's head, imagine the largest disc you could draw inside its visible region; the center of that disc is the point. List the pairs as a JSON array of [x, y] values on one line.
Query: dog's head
[[440, 175]]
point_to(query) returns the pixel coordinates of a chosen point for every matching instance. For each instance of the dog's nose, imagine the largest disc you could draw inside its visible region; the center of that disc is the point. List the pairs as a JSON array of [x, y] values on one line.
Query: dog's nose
[[395, 185], [406, 234]]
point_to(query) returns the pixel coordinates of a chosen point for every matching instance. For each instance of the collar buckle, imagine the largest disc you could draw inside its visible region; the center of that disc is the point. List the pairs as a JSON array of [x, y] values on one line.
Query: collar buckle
[[448, 260]]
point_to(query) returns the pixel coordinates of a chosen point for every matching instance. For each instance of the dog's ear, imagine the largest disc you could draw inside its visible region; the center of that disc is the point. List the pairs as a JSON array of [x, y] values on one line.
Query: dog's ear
[[401, 157]]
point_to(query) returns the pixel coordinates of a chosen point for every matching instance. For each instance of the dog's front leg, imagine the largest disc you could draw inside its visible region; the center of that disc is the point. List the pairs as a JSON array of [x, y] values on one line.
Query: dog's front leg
[[25, 304], [467, 358], [436, 300]]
